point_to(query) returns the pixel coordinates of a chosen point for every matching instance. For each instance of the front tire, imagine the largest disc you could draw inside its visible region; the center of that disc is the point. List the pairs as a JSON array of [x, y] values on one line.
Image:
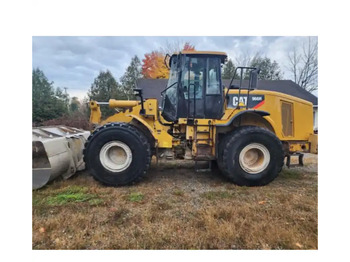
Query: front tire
[[251, 156], [117, 154]]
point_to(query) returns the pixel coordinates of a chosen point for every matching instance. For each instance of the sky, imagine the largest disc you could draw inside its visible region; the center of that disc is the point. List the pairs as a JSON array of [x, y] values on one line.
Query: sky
[[74, 62]]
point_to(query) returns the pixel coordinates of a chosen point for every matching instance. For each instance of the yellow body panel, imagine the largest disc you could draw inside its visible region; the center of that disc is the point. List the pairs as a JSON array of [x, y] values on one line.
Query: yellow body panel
[[95, 116], [302, 113], [313, 139], [203, 131], [150, 120]]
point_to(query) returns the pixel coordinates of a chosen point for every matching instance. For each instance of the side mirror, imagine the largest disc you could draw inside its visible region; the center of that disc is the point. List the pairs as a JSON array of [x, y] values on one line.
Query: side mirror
[[253, 78], [167, 62], [137, 92]]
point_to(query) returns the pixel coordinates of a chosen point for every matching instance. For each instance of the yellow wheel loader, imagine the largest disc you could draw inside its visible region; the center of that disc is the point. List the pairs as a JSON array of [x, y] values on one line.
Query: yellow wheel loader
[[247, 132]]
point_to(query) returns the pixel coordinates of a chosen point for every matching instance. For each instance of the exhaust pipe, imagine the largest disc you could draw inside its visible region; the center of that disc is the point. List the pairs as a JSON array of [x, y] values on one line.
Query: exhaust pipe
[[57, 152]]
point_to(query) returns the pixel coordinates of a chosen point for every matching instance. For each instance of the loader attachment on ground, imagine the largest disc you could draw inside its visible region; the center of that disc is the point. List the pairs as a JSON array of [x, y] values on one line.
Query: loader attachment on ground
[[57, 151]]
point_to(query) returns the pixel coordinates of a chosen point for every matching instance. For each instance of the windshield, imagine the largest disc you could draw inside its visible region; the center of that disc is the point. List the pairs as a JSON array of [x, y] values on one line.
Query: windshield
[[170, 95], [173, 72]]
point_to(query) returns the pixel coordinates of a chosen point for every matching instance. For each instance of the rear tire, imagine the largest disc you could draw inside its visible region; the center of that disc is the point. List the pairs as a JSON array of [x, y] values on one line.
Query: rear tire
[[117, 154], [250, 156]]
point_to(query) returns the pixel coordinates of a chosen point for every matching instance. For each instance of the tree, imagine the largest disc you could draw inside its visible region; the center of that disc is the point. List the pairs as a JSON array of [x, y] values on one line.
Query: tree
[[103, 88], [62, 96], [130, 77], [228, 70], [48, 103], [188, 47], [74, 105], [245, 58], [304, 65], [84, 108], [153, 66], [175, 47], [269, 70]]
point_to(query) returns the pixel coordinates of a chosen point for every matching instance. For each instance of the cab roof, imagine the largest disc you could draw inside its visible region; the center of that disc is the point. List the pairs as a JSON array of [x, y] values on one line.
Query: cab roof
[[222, 55]]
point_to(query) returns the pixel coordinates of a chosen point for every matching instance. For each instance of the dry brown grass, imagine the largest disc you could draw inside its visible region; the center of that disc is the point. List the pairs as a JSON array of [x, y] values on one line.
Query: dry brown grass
[[176, 208]]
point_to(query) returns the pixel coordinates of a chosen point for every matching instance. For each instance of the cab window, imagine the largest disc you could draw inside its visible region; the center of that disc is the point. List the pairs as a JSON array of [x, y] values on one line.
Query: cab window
[[192, 77], [213, 77]]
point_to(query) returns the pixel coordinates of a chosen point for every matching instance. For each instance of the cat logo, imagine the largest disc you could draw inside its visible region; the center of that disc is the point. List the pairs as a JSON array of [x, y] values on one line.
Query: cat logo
[[255, 101], [241, 100]]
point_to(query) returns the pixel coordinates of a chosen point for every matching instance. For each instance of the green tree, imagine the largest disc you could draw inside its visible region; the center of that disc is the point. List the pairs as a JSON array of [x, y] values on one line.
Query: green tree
[[228, 70], [103, 88], [269, 70], [63, 99], [130, 77], [74, 105], [48, 103]]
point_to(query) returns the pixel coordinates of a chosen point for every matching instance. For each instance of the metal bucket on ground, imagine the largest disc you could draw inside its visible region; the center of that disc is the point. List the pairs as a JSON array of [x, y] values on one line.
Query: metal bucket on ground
[[57, 151]]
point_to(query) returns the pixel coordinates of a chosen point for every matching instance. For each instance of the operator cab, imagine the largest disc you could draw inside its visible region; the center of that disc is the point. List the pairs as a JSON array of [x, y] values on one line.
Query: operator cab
[[194, 88]]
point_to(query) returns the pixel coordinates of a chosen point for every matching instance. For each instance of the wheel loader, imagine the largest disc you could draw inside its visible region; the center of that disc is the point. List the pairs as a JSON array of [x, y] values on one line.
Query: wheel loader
[[246, 132]]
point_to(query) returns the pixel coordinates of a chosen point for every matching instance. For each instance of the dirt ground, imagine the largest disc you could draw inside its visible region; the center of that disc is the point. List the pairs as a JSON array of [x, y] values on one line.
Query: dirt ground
[[174, 207]]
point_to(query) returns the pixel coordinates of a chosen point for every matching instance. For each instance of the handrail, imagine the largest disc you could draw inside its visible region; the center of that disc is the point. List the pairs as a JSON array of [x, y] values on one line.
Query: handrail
[[240, 82], [161, 93]]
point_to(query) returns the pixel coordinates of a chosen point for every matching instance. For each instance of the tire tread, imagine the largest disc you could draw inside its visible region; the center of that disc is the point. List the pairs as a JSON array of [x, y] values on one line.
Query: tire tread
[[227, 144], [118, 125]]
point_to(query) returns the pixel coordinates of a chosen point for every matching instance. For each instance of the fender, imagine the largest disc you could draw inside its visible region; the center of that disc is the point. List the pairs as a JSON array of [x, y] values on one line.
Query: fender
[[142, 122], [259, 112], [157, 131], [272, 123]]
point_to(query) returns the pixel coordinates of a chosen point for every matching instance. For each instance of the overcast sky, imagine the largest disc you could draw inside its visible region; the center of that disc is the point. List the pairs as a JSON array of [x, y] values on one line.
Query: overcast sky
[[74, 62]]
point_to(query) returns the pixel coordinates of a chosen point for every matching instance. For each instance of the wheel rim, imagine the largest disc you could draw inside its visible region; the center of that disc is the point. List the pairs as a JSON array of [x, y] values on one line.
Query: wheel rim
[[254, 158], [115, 156]]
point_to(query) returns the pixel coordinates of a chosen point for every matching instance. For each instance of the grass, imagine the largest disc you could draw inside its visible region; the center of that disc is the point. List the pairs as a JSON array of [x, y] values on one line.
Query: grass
[[68, 195], [291, 174], [178, 209], [135, 197], [178, 192], [213, 195]]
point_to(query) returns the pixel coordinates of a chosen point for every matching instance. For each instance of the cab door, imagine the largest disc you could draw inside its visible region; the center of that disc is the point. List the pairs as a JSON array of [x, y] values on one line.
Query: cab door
[[213, 95], [170, 94], [200, 93], [192, 92]]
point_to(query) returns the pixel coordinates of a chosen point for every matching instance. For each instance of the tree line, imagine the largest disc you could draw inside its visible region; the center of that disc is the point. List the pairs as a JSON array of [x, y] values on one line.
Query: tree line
[[51, 103]]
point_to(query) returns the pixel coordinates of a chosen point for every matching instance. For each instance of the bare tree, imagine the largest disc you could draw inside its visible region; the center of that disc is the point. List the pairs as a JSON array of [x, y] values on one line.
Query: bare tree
[[303, 65], [172, 47], [176, 46], [244, 58]]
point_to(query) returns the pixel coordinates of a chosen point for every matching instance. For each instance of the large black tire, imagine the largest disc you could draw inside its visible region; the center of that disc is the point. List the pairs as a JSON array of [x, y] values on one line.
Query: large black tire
[[117, 154], [250, 156]]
